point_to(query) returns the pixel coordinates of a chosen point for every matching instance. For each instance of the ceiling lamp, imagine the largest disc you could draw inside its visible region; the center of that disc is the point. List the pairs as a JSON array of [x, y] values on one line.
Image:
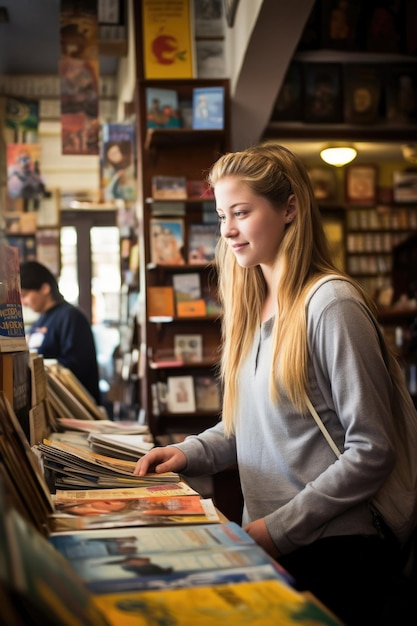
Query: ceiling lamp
[[339, 155], [409, 152]]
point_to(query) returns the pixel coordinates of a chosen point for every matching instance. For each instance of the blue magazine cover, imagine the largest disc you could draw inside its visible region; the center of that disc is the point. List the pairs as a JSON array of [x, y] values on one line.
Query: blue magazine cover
[[208, 108]]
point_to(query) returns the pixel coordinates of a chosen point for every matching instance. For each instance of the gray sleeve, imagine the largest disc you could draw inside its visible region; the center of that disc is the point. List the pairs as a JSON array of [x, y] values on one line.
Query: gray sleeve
[[209, 452]]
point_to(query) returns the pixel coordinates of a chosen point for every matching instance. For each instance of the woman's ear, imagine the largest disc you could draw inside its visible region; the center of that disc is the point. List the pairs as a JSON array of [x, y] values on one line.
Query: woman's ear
[[290, 209]]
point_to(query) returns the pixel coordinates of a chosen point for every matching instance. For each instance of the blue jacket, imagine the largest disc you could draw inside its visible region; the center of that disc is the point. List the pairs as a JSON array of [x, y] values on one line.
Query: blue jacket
[[64, 333]]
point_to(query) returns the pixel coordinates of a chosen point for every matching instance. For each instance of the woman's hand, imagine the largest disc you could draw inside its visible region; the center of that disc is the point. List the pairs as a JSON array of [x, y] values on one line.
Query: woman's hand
[[160, 460], [259, 532]]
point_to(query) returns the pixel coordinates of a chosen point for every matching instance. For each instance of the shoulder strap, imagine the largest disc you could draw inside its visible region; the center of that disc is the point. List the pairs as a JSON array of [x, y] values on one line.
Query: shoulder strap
[[317, 418], [319, 283], [323, 429]]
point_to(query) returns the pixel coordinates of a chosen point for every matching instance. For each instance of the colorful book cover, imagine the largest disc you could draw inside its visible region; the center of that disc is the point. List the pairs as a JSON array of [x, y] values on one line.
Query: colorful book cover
[[24, 178], [160, 300], [256, 603], [202, 241], [12, 329], [168, 49], [167, 241], [83, 514], [188, 295], [79, 77], [208, 108], [162, 110], [160, 539], [118, 163], [169, 187], [126, 559], [22, 113]]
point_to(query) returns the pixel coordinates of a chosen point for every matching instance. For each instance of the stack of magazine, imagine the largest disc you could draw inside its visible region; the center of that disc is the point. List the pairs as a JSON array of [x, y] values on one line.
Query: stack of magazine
[[116, 556]]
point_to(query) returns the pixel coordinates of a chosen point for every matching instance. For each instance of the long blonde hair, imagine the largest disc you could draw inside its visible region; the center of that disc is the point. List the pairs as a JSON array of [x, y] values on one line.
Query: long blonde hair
[[275, 173]]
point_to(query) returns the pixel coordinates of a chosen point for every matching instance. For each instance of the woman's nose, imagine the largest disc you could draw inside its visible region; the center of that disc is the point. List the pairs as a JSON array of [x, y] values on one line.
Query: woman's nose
[[228, 229]]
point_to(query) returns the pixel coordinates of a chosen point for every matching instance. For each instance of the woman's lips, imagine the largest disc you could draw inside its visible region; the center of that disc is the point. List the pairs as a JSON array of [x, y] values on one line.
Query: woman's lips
[[236, 247]]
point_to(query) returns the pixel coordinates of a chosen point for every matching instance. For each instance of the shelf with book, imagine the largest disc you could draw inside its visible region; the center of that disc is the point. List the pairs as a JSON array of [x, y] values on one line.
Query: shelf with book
[[179, 233], [372, 233]]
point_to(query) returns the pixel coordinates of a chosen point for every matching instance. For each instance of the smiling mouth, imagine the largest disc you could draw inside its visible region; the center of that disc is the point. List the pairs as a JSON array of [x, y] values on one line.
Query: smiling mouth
[[238, 246]]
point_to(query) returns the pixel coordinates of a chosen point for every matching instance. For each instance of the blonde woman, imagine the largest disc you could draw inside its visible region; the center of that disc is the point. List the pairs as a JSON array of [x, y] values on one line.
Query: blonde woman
[[304, 507]]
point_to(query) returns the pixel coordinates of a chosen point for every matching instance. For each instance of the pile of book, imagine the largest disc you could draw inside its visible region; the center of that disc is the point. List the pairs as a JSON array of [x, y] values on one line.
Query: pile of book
[[187, 572], [118, 555], [84, 541]]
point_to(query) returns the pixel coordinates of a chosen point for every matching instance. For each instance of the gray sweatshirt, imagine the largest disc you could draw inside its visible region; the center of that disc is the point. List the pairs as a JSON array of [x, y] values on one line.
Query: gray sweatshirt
[[288, 472]]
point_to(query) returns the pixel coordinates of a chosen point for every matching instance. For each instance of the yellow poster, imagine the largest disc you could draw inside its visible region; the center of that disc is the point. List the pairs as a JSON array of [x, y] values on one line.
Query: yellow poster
[[167, 39]]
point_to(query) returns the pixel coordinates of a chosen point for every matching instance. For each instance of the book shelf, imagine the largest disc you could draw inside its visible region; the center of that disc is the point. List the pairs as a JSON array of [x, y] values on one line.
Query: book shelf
[[177, 153], [372, 234]]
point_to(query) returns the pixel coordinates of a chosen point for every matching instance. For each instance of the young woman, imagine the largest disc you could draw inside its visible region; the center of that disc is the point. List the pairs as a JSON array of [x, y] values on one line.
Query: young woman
[[280, 347]]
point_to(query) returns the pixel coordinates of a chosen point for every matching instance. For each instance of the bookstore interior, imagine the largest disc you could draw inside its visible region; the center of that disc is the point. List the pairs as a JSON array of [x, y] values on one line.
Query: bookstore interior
[[106, 138]]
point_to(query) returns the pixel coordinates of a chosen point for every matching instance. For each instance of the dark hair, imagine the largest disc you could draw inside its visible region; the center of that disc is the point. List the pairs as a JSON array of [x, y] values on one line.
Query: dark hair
[[33, 275]]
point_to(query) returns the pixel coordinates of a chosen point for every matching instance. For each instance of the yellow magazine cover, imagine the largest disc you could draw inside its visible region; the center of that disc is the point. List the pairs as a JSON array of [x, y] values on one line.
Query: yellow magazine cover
[[254, 603], [167, 39]]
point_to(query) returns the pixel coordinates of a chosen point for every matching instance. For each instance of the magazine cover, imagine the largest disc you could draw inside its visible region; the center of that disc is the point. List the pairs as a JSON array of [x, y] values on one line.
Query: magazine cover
[[79, 74], [202, 241], [188, 295], [208, 108], [22, 113], [167, 241], [110, 561], [249, 598], [24, 178], [169, 187], [117, 162], [83, 514], [162, 109]]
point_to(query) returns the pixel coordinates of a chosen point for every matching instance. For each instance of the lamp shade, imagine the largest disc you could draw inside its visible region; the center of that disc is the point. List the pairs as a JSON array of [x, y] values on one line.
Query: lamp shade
[[338, 156]]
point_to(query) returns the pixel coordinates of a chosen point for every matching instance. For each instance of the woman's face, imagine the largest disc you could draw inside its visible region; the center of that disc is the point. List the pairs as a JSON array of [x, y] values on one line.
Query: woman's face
[[250, 224], [114, 154], [95, 507]]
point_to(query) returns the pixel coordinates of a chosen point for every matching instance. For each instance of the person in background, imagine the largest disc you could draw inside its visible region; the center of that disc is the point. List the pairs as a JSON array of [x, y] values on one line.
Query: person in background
[[61, 331], [280, 348]]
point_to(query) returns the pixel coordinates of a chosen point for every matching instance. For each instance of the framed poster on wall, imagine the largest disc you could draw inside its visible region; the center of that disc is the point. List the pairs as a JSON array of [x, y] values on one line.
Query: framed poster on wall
[[361, 184], [168, 48]]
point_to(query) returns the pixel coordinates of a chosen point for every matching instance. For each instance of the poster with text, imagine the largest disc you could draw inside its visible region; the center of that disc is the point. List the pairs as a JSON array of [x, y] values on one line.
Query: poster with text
[[167, 39]]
